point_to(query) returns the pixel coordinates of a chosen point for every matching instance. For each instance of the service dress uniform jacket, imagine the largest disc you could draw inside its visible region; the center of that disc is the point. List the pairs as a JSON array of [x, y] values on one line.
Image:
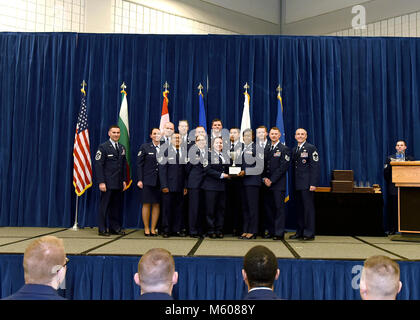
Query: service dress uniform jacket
[[306, 174], [110, 168], [35, 292], [147, 165], [277, 160], [261, 294]]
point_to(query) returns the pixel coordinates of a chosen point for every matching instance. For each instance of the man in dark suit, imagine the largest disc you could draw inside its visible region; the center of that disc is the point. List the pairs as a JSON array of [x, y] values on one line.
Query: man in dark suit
[[392, 198], [276, 164], [45, 266], [233, 218], [263, 143], [110, 161], [156, 275], [172, 178], [259, 273], [306, 177]]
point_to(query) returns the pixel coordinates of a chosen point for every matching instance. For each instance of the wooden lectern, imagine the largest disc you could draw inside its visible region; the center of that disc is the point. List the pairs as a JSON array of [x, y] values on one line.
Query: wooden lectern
[[406, 176]]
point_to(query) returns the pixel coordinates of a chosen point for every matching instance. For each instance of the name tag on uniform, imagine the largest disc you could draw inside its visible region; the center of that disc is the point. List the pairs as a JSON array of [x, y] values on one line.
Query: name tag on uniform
[[304, 155], [151, 153], [110, 155]]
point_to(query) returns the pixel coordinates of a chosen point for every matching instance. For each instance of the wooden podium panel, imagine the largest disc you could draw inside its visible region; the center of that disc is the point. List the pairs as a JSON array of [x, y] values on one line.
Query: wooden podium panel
[[406, 176]]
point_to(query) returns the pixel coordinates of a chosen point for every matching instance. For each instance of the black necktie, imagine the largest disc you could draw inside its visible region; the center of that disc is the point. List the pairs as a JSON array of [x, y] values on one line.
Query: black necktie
[[272, 148]]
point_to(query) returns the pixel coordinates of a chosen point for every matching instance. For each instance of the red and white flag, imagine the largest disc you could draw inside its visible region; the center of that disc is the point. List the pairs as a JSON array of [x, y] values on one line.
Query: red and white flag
[[164, 118], [82, 167]]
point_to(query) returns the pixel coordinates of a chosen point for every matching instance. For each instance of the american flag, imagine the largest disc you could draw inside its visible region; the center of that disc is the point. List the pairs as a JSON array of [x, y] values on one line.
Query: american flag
[[82, 168]]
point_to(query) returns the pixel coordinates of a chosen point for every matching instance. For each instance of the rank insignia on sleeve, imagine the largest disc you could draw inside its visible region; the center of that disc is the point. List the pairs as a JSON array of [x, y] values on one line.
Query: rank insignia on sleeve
[[139, 154], [98, 155], [315, 156], [287, 157]]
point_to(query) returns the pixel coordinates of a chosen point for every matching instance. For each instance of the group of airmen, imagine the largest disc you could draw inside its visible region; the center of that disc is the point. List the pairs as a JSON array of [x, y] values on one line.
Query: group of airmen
[[200, 184]]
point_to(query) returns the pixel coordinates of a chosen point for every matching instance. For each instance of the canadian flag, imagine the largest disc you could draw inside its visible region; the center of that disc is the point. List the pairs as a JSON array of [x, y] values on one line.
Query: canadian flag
[[164, 118]]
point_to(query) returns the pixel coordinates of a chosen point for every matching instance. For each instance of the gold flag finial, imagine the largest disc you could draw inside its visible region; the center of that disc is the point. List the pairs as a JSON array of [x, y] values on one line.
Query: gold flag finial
[[246, 87], [200, 87], [83, 84], [279, 89]]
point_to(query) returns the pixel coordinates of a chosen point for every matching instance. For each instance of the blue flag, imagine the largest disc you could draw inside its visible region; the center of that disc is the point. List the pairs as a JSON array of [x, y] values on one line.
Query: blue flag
[[280, 125], [201, 112]]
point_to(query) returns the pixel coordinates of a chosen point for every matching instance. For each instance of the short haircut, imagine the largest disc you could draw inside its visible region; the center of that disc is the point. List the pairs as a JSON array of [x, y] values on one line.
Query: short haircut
[[216, 120], [40, 259], [382, 276], [156, 267], [183, 121], [405, 144], [235, 128], [260, 265], [275, 128], [262, 127], [114, 126]]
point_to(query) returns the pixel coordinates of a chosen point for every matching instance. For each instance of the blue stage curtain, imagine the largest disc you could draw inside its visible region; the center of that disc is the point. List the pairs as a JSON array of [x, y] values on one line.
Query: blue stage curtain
[[38, 103], [111, 278], [355, 96]]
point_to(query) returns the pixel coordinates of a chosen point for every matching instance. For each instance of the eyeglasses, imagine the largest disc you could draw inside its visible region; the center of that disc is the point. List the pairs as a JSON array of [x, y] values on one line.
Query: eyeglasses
[[65, 263], [58, 267]]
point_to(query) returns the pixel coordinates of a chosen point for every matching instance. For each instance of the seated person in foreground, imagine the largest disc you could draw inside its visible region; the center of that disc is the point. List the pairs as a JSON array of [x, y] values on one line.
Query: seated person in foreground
[[259, 273], [380, 279], [45, 266], [156, 275]]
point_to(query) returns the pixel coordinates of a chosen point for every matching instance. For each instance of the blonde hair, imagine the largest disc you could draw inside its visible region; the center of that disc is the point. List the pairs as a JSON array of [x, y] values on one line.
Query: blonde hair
[[41, 259], [156, 267], [382, 276]]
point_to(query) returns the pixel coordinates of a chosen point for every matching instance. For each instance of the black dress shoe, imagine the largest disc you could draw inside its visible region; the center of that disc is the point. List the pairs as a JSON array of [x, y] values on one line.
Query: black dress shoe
[[165, 234], [103, 234], [119, 232], [220, 235], [147, 234], [278, 237], [180, 234], [295, 236], [212, 236], [194, 235], [309, 238]]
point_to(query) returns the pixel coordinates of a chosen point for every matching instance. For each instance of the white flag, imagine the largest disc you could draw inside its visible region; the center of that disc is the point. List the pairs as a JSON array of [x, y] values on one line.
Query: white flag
[[246, 119]]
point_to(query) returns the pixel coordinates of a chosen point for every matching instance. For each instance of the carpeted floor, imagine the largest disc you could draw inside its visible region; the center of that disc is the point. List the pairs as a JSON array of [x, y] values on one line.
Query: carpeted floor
[[87, 242]]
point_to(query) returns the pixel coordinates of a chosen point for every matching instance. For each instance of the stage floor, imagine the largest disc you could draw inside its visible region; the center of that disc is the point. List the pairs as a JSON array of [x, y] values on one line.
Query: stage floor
[[14, 240]]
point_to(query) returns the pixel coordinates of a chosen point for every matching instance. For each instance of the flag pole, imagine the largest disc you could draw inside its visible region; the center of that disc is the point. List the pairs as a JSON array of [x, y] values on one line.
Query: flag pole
[[75, 227]]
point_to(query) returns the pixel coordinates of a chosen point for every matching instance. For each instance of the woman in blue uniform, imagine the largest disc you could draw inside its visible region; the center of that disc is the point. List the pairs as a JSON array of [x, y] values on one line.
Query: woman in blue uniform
[[148, 181]]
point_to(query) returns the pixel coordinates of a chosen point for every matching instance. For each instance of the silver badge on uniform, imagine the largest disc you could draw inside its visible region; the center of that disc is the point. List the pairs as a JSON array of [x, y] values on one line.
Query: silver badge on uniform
[[139, 154], [287, 157], [205, 163], [98, 155], [315, 156]]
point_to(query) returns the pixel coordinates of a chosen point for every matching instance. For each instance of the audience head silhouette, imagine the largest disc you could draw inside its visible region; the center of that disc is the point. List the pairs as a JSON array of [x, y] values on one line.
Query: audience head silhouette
[[380, 279], [260, 268], [156, 272]]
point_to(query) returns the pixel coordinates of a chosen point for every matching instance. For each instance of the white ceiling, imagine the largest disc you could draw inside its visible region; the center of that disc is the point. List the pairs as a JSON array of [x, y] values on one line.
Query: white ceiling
[[268, 10], [295, 10]]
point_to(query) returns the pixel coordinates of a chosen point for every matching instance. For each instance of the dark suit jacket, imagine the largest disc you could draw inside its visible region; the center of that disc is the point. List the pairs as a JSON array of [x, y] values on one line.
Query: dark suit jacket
[[195, 169], [147, 165], [261, 294], [110, 165], [306, 166], [155, 296], [172, 173], [277, 162], [35, 292], [213, 170], [249, 153], [391, 188]]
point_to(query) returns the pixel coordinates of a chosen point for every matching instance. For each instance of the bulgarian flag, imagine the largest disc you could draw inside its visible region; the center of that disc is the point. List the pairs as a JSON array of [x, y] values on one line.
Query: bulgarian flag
[[125, 133], [164, 118]]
